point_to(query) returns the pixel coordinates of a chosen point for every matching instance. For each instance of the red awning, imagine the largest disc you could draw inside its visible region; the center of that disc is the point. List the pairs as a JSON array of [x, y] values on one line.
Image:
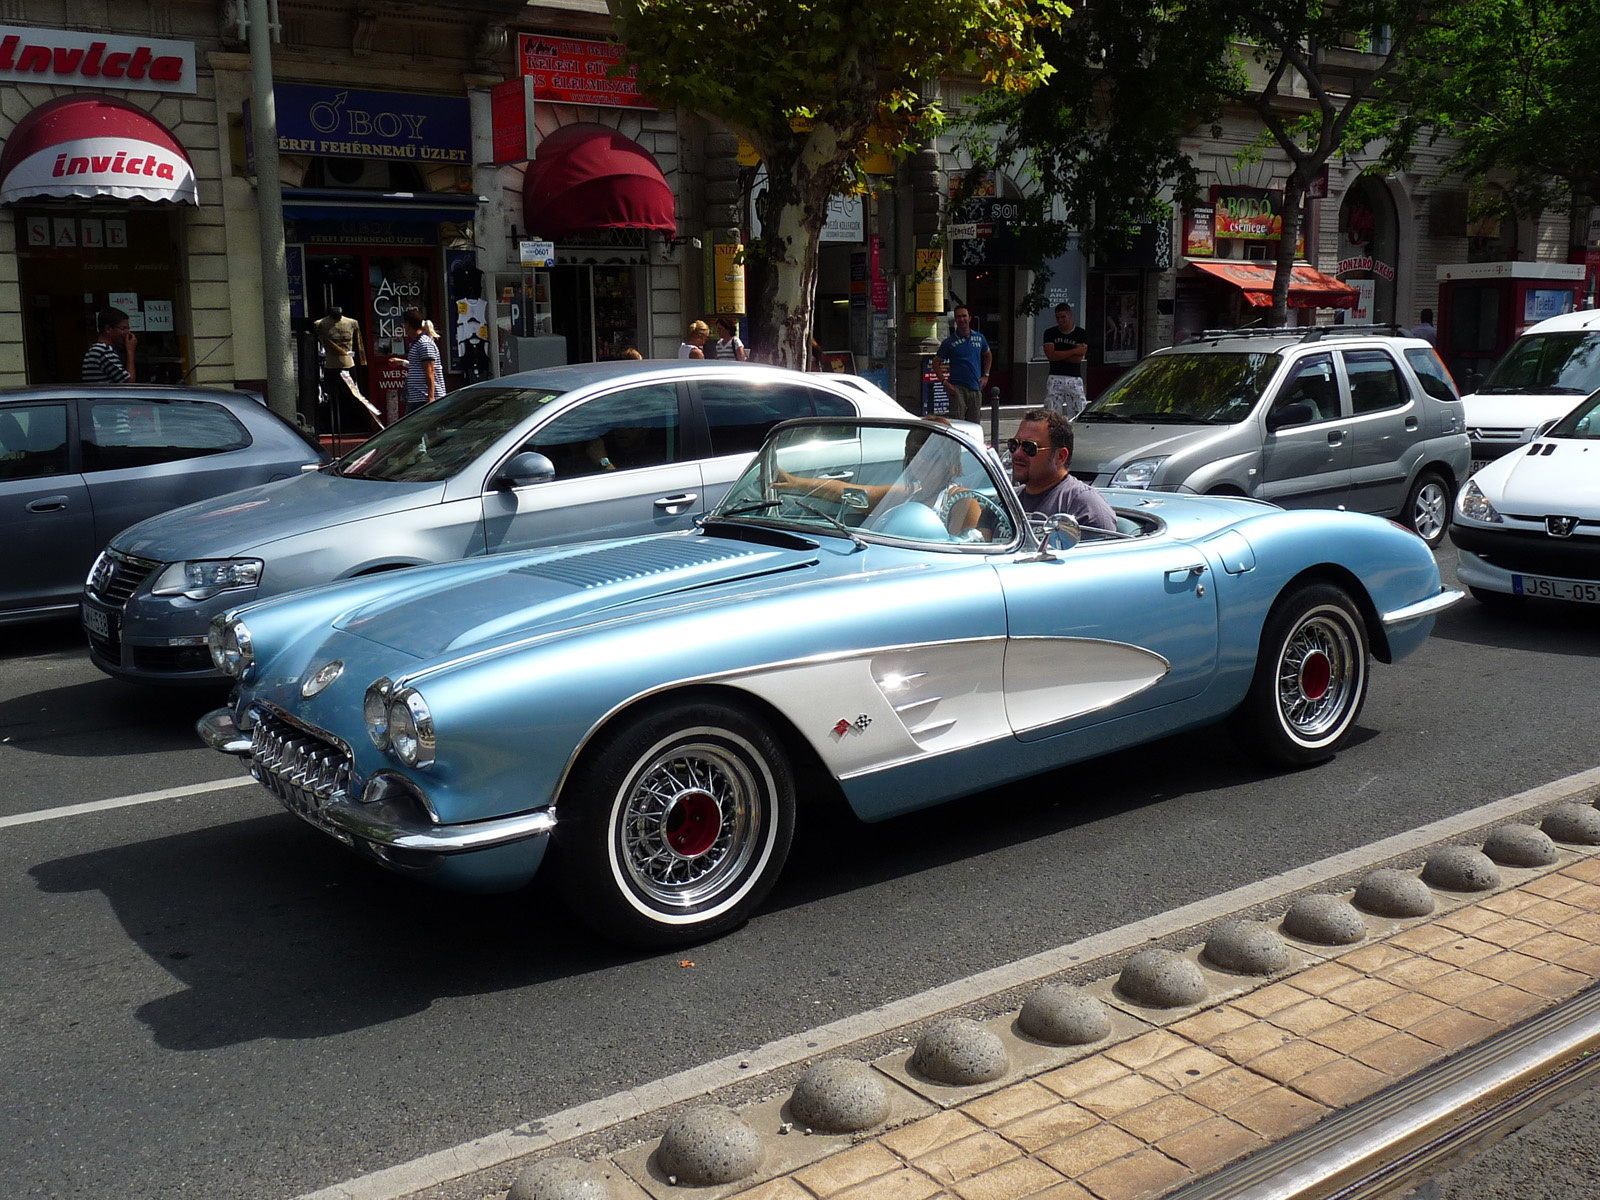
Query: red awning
[[1308, 287], [94, 146], [588, 177]]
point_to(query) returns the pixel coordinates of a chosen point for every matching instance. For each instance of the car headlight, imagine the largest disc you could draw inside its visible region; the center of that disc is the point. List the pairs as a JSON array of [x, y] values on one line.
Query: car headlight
[[204, 578], [375, 712], [411, 728], [1138, 473], [1475, 506], [231, 648]]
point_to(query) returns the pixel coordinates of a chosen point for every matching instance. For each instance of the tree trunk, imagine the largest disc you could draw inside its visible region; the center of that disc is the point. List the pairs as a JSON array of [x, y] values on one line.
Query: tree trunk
[[1294, 192]]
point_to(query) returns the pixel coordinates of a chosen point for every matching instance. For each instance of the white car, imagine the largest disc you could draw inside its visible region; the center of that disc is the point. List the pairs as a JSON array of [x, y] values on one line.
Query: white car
[[1528, 524], [1542, 376]]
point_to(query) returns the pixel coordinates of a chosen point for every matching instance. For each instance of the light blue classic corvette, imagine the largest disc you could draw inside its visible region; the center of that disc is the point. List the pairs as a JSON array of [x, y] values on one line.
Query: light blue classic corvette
[[867, 605]]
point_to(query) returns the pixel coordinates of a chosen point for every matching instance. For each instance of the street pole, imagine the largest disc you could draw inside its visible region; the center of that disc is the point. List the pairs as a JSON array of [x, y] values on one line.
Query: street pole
[[269, 207]]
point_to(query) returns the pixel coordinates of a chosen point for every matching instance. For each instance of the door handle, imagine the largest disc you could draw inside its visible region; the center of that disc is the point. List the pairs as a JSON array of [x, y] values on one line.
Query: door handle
[[47, 504], [1411, 424], [1335, 436], [673, 503], [1185, 572]]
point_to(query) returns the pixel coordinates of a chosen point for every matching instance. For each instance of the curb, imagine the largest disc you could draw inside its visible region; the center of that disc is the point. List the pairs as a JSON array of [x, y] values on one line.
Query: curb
[[487, 1164]]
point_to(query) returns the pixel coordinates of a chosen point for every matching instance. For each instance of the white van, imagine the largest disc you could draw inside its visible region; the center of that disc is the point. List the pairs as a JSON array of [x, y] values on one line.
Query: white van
[[1546, 372]]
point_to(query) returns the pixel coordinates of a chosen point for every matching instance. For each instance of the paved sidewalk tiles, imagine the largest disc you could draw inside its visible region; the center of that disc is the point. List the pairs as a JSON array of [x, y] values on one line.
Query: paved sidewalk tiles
[[1173, 1095]]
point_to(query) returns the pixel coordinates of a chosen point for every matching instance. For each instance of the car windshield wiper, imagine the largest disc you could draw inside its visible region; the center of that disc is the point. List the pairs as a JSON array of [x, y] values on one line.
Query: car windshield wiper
[[860, 542], [1169, 418], [745, 509], [1095, 414]]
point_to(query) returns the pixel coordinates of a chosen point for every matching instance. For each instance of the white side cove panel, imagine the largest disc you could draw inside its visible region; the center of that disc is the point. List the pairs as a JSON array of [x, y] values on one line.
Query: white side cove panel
[[869, 711], [1050, 680]]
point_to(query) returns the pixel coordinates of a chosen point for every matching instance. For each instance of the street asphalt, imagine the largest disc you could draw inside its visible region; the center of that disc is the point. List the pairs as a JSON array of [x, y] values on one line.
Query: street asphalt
[[200, 995]]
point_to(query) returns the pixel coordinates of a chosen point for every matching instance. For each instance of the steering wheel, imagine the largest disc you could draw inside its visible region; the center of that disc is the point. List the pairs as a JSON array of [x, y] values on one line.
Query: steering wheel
[[954, 496]]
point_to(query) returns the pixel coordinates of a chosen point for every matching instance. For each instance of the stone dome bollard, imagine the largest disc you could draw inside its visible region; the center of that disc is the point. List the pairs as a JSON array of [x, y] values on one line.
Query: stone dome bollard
[[1245, 948], [1161, 979], [1326, 920], [709, 1145], [1576, 824], [1391, 893], [1064, 1016], [1519, 846], [1460, 869], [561, 1179], [840, 1095], [959, 1052]]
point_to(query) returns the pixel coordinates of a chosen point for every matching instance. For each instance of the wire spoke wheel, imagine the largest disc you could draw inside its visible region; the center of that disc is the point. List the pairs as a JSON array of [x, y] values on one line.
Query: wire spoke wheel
[[1317, 675]]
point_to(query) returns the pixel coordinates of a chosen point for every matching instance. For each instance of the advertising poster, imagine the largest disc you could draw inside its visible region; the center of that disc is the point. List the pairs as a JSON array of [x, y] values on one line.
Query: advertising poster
[[1120, 341], [930, 282], [935, 400], [728, 260], [1199, 233], [578, 71]]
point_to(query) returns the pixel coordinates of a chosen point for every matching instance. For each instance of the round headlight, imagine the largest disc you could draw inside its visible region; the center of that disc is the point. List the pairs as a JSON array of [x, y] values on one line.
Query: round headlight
[[411, 729], [231, 649], [375, 712]]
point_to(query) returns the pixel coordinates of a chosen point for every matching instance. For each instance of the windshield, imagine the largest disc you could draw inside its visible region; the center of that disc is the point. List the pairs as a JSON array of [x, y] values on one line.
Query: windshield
[[1187, 389], [1581, 422], [437, 440], [903, 483], [1541, 363]]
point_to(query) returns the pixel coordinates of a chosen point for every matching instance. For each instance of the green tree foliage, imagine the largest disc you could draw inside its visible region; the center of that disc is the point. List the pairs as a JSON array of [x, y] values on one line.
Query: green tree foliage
[[1101, 135], [802, 81], [1518, 82]]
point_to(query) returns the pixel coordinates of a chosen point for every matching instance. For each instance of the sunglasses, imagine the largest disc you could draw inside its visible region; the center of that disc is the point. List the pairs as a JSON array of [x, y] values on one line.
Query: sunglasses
[[1028, 448]]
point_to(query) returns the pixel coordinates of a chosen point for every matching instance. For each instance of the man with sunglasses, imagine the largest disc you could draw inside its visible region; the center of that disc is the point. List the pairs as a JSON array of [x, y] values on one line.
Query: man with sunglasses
[[1039, 456]]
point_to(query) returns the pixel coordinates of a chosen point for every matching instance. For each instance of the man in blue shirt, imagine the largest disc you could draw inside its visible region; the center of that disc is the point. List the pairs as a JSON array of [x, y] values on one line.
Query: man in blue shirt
[[963, 367]]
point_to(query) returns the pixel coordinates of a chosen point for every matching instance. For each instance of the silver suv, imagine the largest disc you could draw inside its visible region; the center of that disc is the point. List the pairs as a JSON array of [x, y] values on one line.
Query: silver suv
[[1354, 417]]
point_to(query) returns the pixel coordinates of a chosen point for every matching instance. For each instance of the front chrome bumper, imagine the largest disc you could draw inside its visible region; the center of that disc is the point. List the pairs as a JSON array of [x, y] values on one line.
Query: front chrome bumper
[[389, 815], [1432, 606]]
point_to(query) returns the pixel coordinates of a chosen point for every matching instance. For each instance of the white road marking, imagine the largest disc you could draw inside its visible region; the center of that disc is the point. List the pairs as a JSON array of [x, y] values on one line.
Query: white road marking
[[442, 1166], [93, 806]]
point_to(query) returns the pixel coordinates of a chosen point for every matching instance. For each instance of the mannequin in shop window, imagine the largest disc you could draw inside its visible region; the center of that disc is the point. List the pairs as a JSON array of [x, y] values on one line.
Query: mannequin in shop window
[[340, 339]]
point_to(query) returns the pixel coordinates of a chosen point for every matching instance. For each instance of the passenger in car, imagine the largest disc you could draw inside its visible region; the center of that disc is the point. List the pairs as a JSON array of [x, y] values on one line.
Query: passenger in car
[[1040, 454]]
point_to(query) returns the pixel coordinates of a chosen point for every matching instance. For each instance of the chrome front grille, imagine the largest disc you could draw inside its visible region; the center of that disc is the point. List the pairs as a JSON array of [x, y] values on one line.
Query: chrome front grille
[[117, 576], [303, 770], [1485, 433]]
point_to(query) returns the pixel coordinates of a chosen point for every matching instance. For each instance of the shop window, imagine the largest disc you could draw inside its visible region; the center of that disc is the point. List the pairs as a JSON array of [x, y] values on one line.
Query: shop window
[[625, 430], [121, 434], [740, 414], [33, 441], [1375, 382]]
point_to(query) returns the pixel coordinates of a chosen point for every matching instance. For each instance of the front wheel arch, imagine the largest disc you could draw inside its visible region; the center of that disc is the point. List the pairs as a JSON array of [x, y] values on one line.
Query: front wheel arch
[[1346, 581]]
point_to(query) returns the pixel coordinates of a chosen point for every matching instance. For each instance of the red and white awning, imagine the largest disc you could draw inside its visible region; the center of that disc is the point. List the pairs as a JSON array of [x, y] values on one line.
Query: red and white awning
[[89, 146]]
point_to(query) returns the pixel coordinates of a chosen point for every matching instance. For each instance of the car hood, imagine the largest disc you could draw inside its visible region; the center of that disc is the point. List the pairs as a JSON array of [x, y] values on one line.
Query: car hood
[[234, 524], [1521, 410], [436, 612], [1105, 446], [1565, 481]]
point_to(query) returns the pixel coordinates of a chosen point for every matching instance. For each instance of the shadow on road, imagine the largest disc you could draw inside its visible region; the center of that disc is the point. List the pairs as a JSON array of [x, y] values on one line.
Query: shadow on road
[[104, 718], [1542, 626]]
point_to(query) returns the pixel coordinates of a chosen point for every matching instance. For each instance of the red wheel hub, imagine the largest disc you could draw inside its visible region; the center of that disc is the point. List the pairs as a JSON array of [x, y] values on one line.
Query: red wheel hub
[[693, 822], [1316, 673]]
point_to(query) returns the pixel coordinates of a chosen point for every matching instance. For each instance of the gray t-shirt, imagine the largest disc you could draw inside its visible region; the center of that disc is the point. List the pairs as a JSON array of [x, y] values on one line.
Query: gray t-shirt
[[1071, 496]]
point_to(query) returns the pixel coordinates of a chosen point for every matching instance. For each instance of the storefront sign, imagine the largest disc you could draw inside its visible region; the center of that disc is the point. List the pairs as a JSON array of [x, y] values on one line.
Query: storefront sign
[[728, 263], [991, 221], [537, 253], [158, 316], [63, 58], [846, 221], [511, 120], [1248, 213], [578, 71], [357, 124], [929, 295], [88, 146], [1367, 294], [1199, 233], [1539, 304], [294, 261], [357, 231], [1365, 262]]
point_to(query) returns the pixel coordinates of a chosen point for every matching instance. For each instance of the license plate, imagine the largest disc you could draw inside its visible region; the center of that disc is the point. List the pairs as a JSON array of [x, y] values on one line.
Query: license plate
[[1479, 464], [1556, 589], [100, 624]]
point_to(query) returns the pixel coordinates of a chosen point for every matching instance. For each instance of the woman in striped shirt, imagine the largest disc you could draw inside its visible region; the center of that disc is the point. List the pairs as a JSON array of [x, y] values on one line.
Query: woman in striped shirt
[[424, 367]]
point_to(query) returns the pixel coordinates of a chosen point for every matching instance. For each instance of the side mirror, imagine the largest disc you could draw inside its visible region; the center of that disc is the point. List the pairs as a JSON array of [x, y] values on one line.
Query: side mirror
[[1298, 413], [525, 468], [1062, 526]]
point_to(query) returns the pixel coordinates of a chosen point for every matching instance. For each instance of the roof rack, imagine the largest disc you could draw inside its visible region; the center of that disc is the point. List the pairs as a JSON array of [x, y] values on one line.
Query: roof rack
[[1303, 333]]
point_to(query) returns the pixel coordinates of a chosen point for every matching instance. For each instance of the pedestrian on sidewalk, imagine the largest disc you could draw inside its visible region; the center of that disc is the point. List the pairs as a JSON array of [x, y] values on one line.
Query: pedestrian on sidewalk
[[963, 364], [109, 359], [1066, 346], [728, 343], [694, 346], [424, 366]]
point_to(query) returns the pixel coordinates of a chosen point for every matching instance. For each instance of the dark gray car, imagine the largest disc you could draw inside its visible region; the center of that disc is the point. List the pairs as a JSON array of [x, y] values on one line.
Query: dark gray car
[[1307, 418], [566, 454], [80, 464]]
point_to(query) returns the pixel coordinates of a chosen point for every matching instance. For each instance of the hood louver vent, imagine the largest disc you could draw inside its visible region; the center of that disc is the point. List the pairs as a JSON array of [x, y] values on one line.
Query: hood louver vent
[[639, 560]]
